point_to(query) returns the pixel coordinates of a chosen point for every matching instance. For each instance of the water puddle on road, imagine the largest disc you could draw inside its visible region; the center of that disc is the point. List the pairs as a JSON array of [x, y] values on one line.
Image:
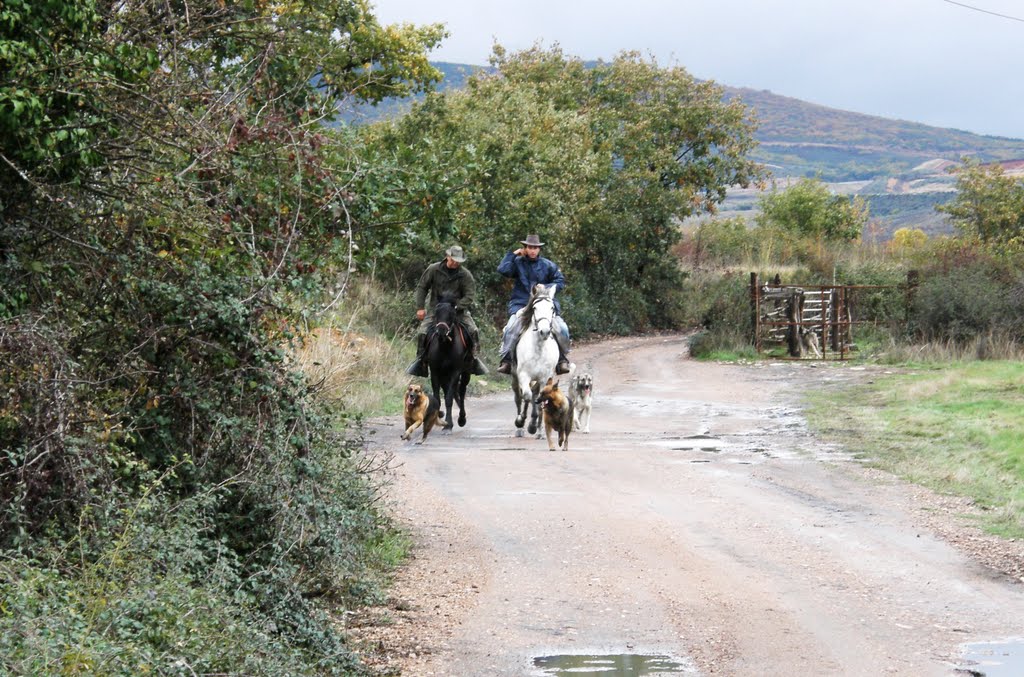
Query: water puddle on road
[[612, 665], [994, 659]]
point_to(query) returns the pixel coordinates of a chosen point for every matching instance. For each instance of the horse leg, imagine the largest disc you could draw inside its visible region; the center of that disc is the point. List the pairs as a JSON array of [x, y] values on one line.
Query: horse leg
[[435, 384], [449, 395], [534, 428], [463, 382], [521, 405]]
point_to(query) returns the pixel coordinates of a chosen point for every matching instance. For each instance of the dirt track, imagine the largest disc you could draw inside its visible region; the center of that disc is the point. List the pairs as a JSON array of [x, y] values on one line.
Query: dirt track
[[698, 520]]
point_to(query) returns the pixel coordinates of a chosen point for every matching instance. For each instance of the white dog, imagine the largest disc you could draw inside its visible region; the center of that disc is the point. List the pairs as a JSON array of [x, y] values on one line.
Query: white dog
[[582, 389]]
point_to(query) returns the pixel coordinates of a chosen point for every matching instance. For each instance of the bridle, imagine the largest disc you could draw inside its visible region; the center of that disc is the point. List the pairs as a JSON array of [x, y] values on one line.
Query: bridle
[[546, 317], [445, 330]]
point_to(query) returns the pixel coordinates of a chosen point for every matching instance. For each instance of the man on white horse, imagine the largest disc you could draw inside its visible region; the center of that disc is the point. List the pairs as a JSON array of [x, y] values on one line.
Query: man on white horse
[[527, 268]]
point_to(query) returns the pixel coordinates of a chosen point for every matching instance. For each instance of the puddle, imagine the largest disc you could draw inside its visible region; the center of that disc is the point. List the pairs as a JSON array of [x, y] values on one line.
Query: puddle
[[613, 665], [994, 659]]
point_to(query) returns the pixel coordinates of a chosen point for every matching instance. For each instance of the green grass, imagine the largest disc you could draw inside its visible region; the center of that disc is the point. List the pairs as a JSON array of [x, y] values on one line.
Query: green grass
[[957, 428]]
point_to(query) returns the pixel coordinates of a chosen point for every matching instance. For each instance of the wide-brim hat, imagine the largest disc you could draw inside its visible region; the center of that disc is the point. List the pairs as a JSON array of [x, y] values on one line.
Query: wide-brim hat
[[455, 251], [532, 240]]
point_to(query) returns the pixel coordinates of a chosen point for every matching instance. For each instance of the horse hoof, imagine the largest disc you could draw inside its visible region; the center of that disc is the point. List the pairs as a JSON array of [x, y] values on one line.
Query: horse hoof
[[532, 429], [419, 442], [462, 421]]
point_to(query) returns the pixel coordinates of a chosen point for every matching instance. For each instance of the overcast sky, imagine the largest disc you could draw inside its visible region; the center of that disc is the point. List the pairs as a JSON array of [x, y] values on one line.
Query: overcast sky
[[932, 61]]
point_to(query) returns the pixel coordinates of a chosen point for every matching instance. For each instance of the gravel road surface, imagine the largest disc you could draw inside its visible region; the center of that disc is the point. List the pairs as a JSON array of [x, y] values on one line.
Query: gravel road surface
[[699, 522]]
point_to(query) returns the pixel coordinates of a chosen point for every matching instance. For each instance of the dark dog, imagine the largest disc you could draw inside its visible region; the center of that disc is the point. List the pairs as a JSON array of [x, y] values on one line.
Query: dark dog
[[557, 408], [582, 389], [421, 409]]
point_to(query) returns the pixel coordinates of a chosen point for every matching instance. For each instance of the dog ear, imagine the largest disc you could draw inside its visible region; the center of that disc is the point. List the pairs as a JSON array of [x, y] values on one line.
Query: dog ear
[[555, 386], [550, 380]]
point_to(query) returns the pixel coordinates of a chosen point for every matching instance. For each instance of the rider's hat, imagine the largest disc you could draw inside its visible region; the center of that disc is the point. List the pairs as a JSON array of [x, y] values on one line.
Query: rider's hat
[[532, 240], [455, 251]]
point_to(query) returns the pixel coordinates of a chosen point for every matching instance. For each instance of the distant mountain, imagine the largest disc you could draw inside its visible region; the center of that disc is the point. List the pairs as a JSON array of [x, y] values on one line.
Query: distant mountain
[[899, 167], [805, 139]]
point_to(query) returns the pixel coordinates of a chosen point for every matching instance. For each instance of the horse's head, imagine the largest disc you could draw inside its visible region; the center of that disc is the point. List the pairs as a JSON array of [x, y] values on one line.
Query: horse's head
[[541, 308], [445, 316]]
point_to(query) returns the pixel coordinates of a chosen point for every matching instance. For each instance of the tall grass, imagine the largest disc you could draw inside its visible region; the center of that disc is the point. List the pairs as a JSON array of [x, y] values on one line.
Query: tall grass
[[357, 371], [990, 346]]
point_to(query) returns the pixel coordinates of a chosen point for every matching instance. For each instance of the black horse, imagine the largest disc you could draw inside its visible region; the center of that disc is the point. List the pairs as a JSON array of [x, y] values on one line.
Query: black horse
[[450, 358]]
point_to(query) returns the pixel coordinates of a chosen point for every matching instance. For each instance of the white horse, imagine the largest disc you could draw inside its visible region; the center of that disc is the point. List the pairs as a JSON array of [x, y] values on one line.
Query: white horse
[[536, 355]]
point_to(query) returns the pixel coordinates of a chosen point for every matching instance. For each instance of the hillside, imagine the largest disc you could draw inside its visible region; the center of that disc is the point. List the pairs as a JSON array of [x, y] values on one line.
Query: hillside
[[805, 139], [899, 167]]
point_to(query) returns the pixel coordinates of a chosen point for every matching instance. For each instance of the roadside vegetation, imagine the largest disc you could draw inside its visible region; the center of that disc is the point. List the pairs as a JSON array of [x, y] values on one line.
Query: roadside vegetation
[[948, 415], [954, 426], [207, 288]]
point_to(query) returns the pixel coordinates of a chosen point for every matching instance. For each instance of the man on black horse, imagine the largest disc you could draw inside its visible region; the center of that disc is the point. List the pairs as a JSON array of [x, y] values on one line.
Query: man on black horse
[[447, 276], [527, 268]]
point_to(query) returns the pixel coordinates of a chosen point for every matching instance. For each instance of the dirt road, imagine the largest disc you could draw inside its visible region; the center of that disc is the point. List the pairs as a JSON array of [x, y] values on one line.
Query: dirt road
[[698, 521]]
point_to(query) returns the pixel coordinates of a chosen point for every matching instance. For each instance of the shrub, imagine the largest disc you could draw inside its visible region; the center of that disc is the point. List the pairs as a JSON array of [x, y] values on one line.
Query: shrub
[[961, 303], [720, 305]]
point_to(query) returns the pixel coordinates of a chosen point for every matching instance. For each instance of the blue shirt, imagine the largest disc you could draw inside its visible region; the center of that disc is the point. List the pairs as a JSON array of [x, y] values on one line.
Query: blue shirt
[[525, 273]]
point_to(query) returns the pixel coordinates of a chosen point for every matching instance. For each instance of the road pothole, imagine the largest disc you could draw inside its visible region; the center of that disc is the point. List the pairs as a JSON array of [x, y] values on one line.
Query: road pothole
[[993, 659], [611, 665]]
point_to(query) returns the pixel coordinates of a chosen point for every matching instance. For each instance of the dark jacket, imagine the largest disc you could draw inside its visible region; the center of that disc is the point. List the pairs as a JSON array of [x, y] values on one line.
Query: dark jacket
[[526, 273], [438, 279]]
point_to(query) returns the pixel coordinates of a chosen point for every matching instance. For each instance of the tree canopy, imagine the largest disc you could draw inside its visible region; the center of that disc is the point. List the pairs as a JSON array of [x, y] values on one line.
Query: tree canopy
[[171, 203], [809, 209], [602, 160], [989, 204]]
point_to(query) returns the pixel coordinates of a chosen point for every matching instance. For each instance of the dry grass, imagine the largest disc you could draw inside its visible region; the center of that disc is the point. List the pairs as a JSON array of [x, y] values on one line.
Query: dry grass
[[359, 372], [992, 346]]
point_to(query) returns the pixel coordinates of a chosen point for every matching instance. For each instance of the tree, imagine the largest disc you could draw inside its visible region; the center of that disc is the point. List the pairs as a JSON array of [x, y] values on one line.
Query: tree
[[602, 160], [809, 209], [170, 202], [989, 204], [906, 241]]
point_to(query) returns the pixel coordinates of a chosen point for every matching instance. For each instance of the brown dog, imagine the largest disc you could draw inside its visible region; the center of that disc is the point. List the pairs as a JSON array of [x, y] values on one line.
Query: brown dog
[[421, 409], [557, 408]]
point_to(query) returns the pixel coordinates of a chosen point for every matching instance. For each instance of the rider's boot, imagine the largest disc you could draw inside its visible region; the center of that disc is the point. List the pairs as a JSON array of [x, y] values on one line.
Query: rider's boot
[[419, 366], [505, 366], [563, 366], [479, 368]]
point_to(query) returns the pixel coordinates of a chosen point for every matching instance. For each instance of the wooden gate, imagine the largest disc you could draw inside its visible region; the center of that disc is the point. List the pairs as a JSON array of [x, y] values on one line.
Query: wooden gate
[[810, 320]]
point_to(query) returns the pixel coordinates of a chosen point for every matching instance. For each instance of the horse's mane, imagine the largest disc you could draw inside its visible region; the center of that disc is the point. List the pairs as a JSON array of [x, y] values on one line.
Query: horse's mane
[[448, 297]]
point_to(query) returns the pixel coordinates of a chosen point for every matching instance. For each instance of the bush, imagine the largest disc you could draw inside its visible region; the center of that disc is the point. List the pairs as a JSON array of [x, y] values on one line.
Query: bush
[[961, 303], [156, 596], [720, 305]]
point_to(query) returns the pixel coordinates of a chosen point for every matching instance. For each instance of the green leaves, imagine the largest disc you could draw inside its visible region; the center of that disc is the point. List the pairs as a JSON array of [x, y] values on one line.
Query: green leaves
[[601, 159], [809, 209], [989, 204], [172, 205]]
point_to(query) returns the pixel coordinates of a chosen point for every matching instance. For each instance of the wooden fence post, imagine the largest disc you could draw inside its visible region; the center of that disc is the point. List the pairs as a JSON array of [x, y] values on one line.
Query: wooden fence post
[[755, 313]]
